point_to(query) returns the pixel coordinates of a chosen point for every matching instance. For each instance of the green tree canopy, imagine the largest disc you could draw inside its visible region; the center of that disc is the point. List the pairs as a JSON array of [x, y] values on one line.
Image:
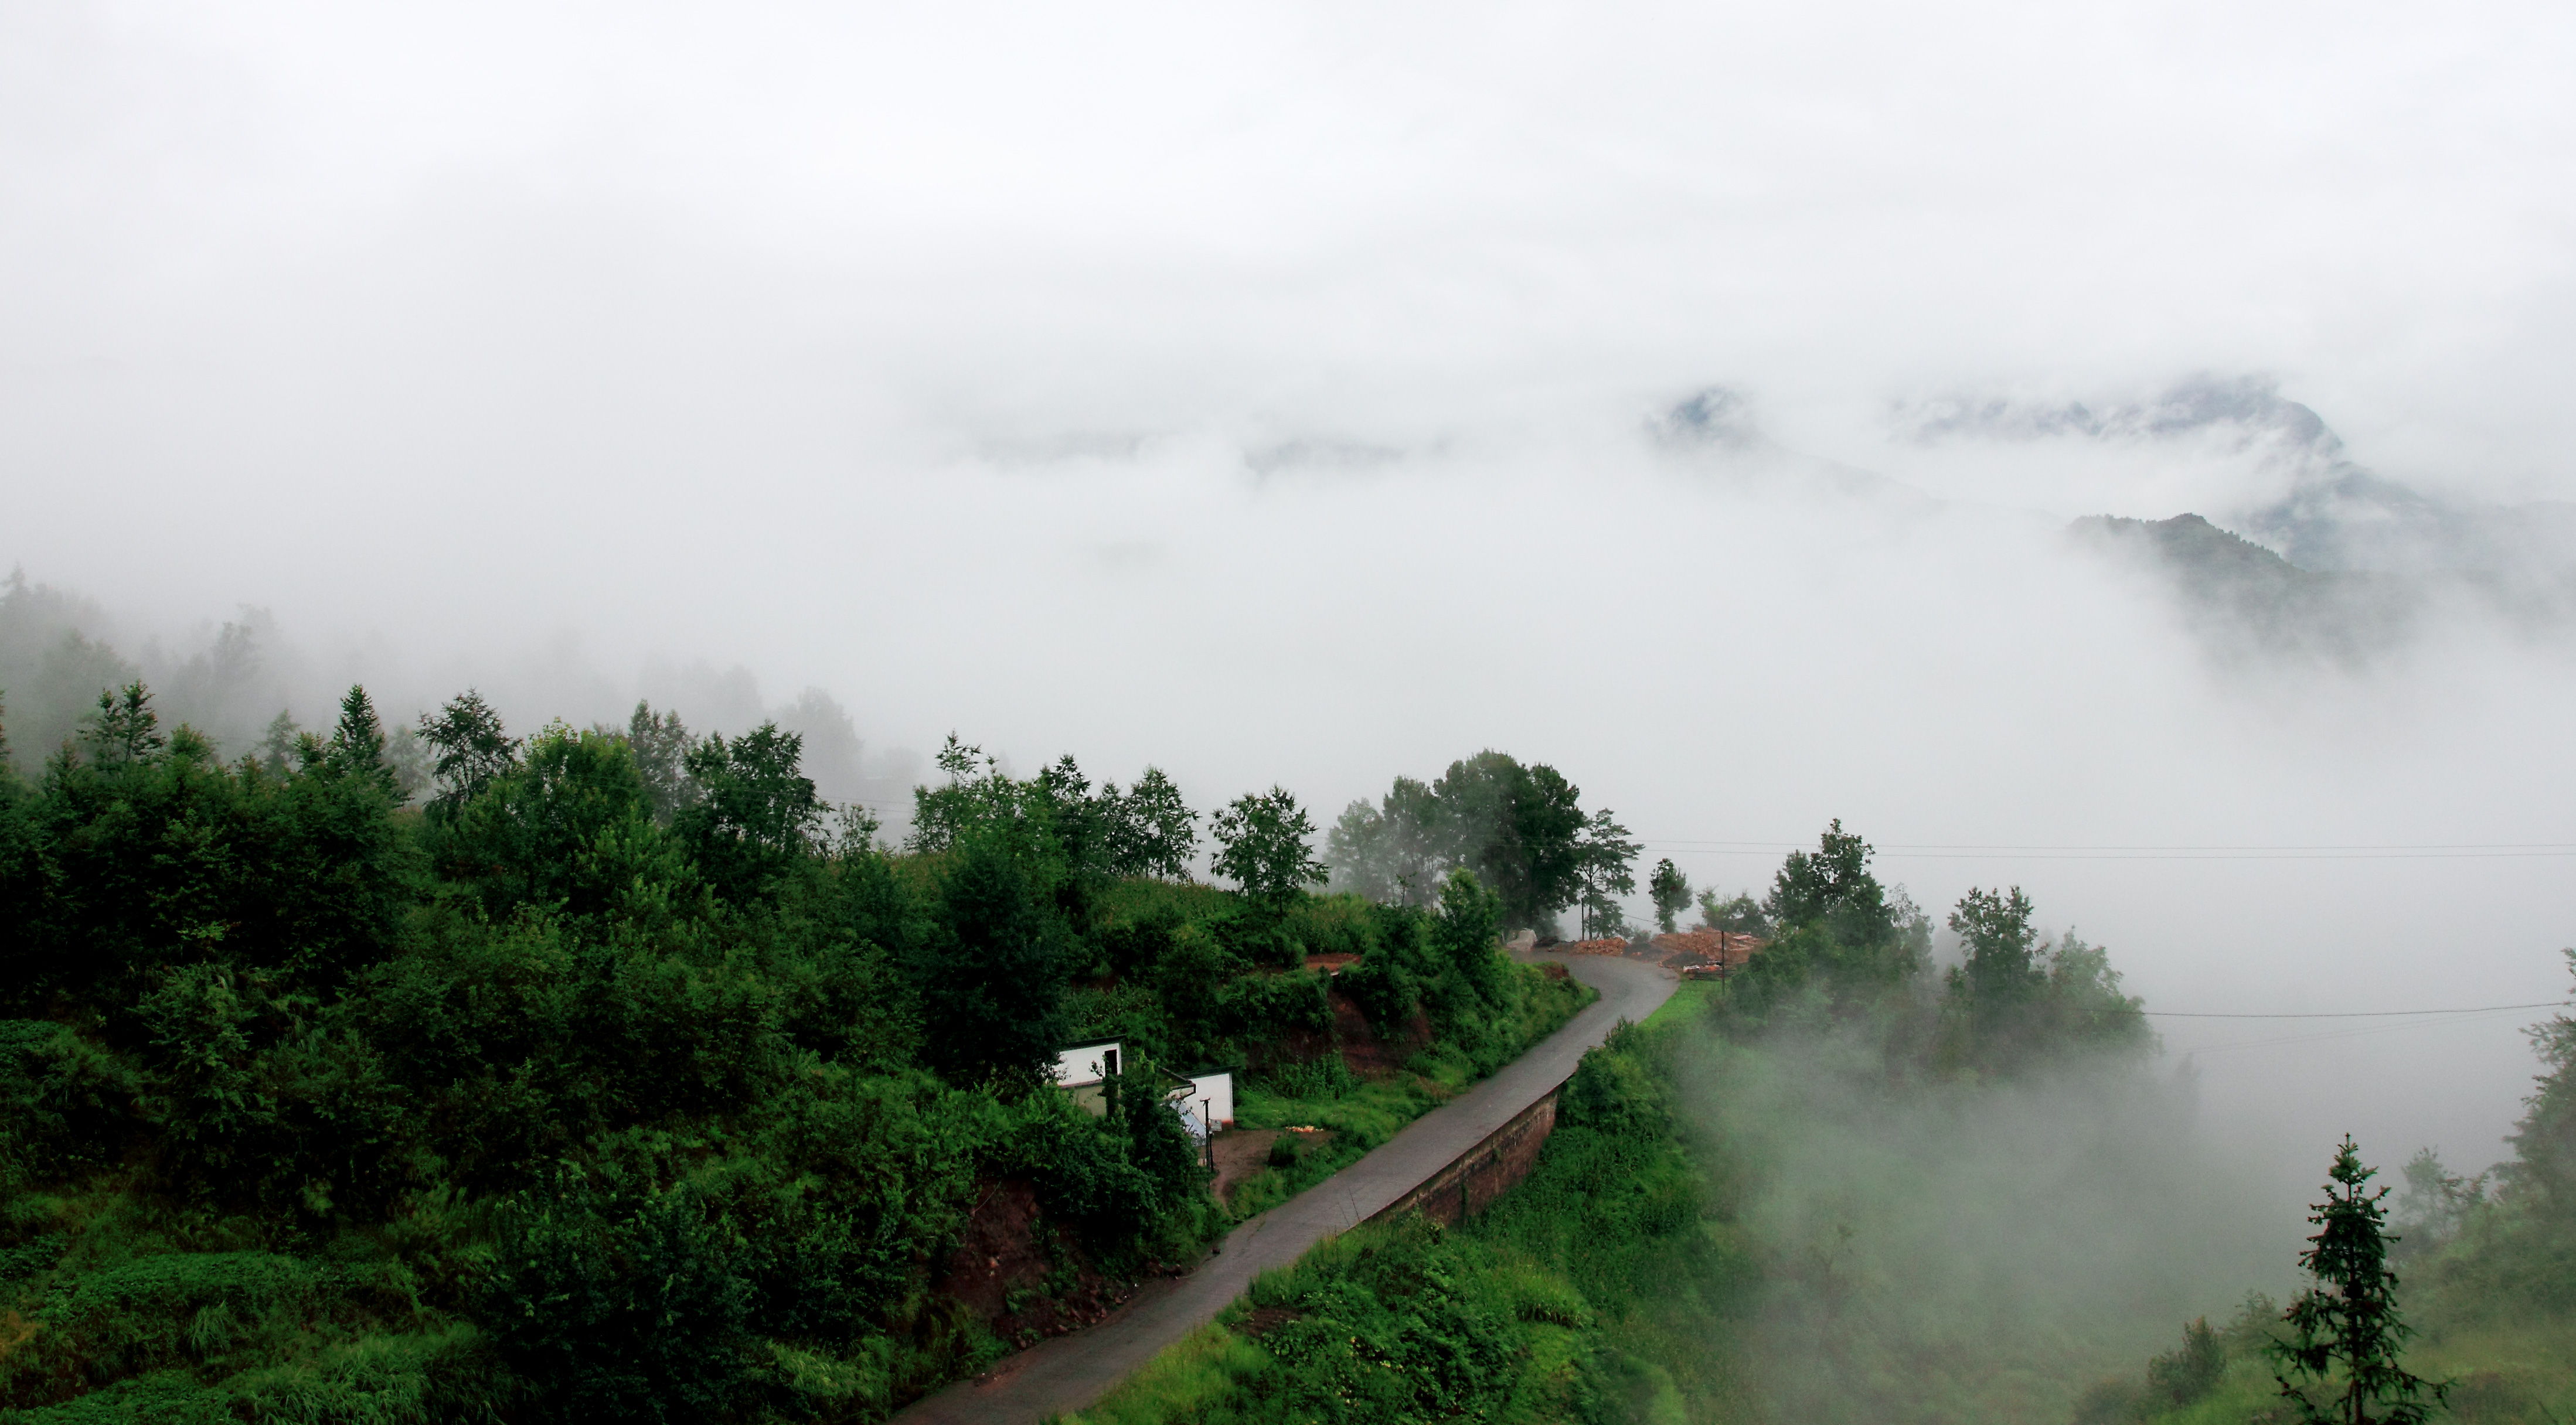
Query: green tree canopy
[[1266, 845], [1671, 892], [1831, 887], [1149, 831], [471, 748], [1605, 860], [2544, 1141], [756, 815], [661, 743], [2345, 1333], [2001, 971], [991, 981]]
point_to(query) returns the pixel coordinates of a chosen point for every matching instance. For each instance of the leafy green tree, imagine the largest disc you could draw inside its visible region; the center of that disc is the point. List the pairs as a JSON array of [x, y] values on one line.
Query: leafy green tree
[[1520, 829], [2183, 1375], [1671, 892], [470, 748], [155, 853], [2436, 1201], [756, 817], [1150, 830], [2544, 1141], [2001, 973], [1838, 934], [2346, 1333], [1605, 858], [2084, 1006], [662, 742], [569, 827], [1266, 845], [992, 981], [1832, 887], [1739, 914], [1465, 943], [977, 796], [1395, 851]]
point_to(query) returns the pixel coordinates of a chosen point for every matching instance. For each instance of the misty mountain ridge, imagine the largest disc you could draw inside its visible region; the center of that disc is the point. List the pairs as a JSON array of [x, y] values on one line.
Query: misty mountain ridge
[[2237, 593], [2330, 514], [2325, 558], [1714, 428]]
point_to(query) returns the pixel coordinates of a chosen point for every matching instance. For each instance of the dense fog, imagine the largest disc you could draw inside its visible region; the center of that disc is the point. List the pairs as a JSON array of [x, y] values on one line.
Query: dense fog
[[1698, 403]]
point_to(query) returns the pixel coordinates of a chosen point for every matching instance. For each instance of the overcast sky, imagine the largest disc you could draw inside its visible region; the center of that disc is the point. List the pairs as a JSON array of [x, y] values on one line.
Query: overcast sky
[[1264, 392]]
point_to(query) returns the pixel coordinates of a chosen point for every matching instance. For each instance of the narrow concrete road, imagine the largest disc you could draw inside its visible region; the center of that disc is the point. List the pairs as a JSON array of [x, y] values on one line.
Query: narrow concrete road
[[1066, 1373]]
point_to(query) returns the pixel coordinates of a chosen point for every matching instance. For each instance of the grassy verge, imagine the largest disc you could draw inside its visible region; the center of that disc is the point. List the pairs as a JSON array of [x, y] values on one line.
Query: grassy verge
[[2505, 1368], [1362, 1114]]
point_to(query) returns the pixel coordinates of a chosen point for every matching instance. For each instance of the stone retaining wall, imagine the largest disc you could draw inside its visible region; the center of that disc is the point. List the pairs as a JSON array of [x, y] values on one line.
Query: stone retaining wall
[[1476, 1177]]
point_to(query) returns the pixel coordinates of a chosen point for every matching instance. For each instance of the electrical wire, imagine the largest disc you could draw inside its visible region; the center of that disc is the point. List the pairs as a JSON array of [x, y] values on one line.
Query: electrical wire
[[2339, 1014], [1936, 851]]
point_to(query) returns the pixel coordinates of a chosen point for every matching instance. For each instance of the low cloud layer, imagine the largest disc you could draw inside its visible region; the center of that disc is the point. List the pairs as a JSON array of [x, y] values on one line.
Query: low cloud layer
[[1316, 397]]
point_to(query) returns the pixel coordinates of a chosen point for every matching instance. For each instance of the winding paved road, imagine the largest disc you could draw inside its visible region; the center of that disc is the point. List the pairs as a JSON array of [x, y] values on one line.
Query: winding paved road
[[1066, 1373]]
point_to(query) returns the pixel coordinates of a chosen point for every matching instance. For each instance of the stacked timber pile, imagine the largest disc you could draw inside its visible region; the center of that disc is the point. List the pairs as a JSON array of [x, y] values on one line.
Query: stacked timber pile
[[1718, 950]]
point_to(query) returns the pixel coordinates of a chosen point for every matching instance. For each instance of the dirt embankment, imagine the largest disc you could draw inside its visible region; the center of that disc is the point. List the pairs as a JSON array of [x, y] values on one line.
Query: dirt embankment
[[1021, 1277]]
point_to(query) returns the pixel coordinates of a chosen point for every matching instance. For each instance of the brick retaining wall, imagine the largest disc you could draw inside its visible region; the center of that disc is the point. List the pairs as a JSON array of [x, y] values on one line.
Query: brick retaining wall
[[1476, 1177]]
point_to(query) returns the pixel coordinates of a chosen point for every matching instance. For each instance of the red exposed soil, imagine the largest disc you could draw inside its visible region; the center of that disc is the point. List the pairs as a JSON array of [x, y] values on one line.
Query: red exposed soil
[[1370, 1054], [1001, 1267], [1239, 1155], [1262, 1320], [1245, 1152]]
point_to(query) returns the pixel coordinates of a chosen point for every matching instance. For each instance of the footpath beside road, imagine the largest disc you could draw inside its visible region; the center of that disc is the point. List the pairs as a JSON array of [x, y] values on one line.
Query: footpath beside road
[[1066, 1373]]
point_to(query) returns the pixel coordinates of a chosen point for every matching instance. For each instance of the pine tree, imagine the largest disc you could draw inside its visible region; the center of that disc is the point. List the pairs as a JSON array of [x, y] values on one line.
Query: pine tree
[[357, 746], [125, 729], [2347, 1328]]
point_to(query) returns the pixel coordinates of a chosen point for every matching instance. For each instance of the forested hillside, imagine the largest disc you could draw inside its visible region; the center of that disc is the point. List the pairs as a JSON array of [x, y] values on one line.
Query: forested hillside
[[618, 1076]]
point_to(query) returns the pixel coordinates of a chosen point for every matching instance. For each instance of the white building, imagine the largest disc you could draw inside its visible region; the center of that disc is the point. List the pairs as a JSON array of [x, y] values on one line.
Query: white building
[[1085, 1071], [1206, 1102]]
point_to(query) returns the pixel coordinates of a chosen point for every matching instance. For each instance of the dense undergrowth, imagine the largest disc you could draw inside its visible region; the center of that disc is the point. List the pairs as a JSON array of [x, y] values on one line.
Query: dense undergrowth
[[617, 1082]]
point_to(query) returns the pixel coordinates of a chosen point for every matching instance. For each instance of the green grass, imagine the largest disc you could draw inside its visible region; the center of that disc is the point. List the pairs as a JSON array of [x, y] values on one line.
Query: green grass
[[2520, 1371], [1363, 1114], [1189, 1377]]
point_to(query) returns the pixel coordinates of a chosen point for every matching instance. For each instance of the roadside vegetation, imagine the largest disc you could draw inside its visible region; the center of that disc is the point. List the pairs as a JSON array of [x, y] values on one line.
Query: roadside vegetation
[[1844, 1186], [609, 1073], [1589, 1292], [1629, 1276], [2473, 1294]]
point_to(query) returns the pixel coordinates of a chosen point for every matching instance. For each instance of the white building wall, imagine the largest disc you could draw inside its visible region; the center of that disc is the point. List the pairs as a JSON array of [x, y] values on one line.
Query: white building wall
[[1207, 1103], [1086, 1063]]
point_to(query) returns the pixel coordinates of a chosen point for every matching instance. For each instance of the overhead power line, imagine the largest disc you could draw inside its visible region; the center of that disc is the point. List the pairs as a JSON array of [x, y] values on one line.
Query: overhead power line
[[2339, 1014], [1974, 851]]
